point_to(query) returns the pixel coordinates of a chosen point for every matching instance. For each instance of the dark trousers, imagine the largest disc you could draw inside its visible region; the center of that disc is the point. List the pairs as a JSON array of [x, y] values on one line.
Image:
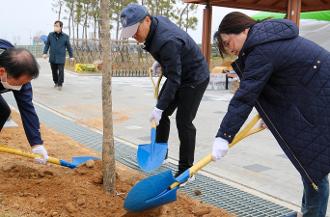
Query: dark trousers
[[4, 112], [187, 101], [58, 73], [315, 203]]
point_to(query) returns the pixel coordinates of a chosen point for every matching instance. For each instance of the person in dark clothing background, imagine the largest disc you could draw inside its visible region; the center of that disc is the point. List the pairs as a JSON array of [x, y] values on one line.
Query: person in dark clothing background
[[183, 65], [286, 78], [57, 43], [17, 68]]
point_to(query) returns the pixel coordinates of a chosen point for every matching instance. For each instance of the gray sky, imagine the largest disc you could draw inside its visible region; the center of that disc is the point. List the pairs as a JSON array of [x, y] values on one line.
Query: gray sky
[[20, 20]]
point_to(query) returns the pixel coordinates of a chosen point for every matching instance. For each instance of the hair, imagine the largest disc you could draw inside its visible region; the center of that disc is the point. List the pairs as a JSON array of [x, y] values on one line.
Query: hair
[[59, 22], [232, 23], [18, 62]]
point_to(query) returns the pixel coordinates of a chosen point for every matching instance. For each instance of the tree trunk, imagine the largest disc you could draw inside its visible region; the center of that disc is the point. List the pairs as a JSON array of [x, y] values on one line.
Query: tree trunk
[[120, 3], [108, 150], [77, 30], [83, 34], [181, 15], [187, 18], [72, 26], [95, 28], [69, 25], [86, 23], [60, 10], [117, 28]]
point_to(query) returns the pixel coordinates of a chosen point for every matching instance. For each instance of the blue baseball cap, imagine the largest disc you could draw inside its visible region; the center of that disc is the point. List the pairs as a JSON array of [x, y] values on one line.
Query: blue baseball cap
[[4, 45], [130, 18]]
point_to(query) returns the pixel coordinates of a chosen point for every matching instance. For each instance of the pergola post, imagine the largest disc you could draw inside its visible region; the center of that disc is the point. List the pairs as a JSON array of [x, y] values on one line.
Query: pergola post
[[293, 10], [206, 35]]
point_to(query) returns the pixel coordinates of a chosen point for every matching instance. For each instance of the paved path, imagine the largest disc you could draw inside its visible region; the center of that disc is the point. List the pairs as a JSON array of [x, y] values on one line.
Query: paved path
[[257, 162]]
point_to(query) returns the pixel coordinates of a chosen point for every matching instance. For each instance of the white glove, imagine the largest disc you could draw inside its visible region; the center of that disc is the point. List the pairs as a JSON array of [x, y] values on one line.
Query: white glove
[[156, 115], [220, 148], [44, 56], [40, 150]]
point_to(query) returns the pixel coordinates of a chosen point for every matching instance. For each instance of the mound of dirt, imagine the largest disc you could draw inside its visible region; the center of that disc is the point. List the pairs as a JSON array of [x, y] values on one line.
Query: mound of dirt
[[29, 189]]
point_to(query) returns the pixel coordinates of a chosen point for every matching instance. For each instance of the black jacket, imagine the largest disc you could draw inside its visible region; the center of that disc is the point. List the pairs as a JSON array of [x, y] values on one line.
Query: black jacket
[[181, 59]]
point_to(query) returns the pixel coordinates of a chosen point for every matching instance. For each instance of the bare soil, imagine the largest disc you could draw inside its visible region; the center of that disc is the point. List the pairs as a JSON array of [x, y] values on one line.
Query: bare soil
[[30, 189]]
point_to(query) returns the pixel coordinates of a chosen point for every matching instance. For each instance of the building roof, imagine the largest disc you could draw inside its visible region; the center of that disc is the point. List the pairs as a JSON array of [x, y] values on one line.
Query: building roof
[[266, 5]]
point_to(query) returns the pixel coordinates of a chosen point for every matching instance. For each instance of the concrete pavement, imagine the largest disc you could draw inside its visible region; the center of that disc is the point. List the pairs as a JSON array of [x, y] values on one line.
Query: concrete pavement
[[257, 163]]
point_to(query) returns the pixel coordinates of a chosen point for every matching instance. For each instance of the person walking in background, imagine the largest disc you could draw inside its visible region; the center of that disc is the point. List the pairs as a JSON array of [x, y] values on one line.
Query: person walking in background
[[287, 79], [57, 43]]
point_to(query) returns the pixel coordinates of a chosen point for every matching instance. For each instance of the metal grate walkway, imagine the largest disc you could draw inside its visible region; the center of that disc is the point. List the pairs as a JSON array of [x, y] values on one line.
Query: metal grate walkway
[[213, 191]]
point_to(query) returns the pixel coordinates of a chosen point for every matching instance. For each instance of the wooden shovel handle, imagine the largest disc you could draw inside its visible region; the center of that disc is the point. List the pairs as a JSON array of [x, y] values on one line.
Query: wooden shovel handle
[[247, 131]]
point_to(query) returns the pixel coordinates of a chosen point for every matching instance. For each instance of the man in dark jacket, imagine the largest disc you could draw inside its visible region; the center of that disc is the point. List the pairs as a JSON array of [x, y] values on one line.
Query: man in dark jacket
[[58, 42], [286, 78], [182, 64], [17, 68]]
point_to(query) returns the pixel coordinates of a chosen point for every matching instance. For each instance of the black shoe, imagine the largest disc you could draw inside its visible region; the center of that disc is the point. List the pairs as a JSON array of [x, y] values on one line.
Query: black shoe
[[179, 172], [166, 158], [182, 170]]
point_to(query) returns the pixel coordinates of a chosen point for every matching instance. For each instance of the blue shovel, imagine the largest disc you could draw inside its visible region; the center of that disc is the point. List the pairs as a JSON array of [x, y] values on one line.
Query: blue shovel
[[151, 156], [161, 189]]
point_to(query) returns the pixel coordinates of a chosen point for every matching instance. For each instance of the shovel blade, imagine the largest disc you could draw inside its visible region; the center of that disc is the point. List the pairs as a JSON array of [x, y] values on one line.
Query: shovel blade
[[151, 192], [76, 161], [82, 159], [151, 156]]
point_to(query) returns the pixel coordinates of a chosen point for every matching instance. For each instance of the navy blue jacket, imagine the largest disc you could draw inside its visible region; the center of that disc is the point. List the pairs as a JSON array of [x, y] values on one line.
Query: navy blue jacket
[[181, 59], [286, 77], [57, 45], [27, 111]]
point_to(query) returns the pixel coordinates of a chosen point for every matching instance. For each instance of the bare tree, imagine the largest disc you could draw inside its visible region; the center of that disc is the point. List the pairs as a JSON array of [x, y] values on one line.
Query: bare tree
[[108, 150], [94, 14], [117, 7], [69, 4], [187, 10], [57, 7], [78, 16], [182, 12]]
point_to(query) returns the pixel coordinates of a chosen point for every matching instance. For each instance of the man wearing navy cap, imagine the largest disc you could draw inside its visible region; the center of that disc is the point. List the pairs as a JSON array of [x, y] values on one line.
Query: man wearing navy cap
[[17, 68], [182, 64]]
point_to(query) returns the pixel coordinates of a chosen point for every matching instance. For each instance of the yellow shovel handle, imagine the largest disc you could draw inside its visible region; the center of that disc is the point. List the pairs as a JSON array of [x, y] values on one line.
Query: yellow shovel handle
[[247, 131], [153, 124], [156, 86], [26, 154]]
